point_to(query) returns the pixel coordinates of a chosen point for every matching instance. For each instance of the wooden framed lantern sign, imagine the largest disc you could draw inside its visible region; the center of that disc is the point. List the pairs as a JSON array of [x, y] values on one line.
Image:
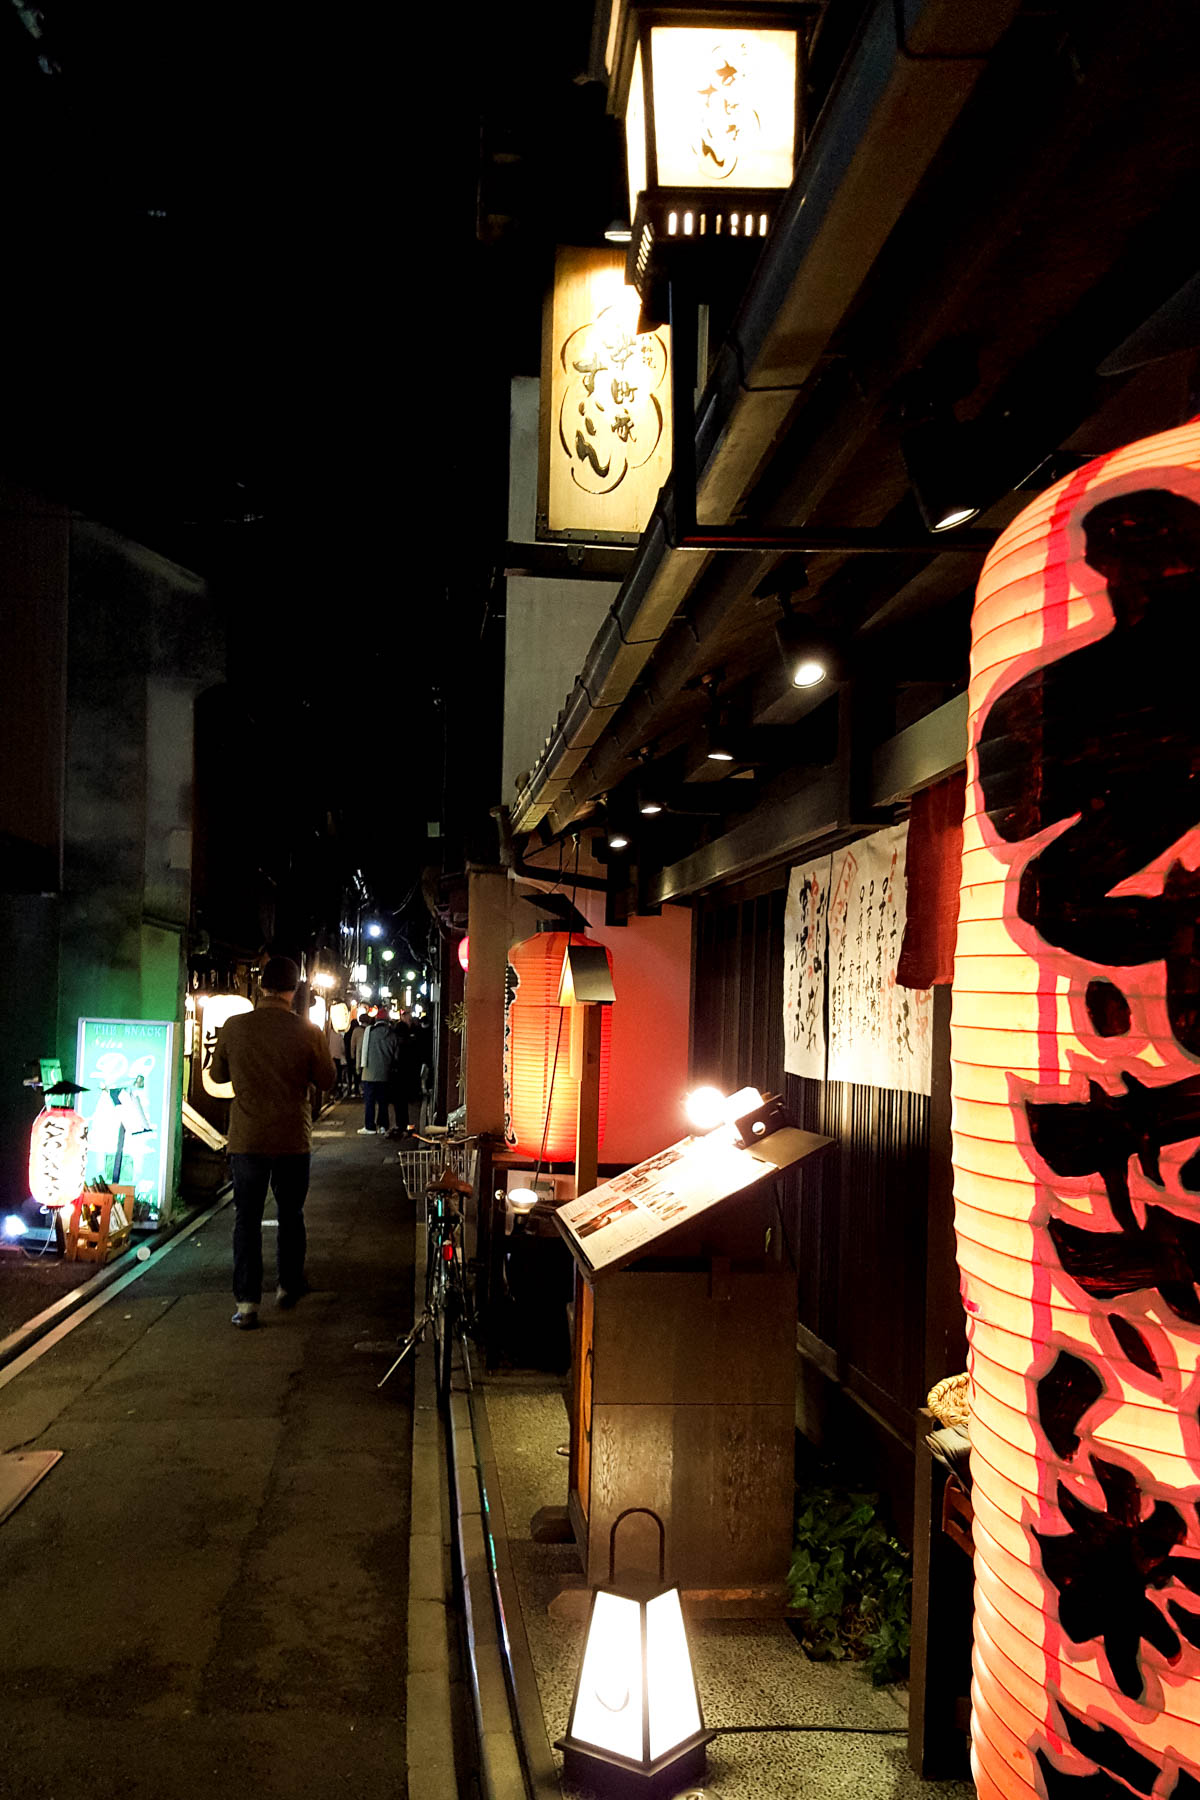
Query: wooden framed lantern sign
[[1076, 1072], [605, 434], [710, 98]]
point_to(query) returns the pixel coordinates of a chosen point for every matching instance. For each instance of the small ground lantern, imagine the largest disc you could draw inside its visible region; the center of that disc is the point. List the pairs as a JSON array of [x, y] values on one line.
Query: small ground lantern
[[711, 104], [635, 1724]]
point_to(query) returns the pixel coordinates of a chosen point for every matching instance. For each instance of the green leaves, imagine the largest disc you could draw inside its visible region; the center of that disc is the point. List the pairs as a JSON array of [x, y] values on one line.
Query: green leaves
[[850, 1581]]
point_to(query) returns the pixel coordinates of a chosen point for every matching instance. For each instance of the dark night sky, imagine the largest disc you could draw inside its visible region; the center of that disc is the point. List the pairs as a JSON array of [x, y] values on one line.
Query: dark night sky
[[248, 320]]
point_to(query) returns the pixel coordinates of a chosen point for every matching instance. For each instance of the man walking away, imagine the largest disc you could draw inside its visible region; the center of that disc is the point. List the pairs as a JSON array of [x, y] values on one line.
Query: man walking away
[[379, 1057], [271, 1056]]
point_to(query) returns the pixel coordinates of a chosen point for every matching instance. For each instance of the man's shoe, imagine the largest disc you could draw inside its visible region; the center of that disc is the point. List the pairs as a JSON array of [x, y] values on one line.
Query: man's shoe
[[245, 1318], [366, 1131]]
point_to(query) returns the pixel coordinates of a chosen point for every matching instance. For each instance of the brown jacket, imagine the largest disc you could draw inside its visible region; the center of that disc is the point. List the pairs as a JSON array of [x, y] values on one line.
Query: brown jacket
[[271, 1056]]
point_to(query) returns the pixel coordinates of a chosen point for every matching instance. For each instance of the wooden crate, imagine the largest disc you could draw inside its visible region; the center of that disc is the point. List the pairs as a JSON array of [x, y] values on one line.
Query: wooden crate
[[92, 1234]]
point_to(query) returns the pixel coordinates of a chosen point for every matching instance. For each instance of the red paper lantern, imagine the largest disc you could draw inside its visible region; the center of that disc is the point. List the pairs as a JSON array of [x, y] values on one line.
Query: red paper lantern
[[1076, 1052], [464, 954], [542, 1049], [57, 1156]]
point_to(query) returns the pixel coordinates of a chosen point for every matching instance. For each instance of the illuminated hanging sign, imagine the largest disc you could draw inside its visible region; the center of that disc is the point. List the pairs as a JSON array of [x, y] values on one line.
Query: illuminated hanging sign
[[1076, 1044], [723, 109], [606, 408], [217, 1008], [130, 1108], [58, 1157]]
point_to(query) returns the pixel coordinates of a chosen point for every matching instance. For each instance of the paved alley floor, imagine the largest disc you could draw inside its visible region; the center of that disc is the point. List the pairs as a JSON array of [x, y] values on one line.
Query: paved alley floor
[[207, 1595]]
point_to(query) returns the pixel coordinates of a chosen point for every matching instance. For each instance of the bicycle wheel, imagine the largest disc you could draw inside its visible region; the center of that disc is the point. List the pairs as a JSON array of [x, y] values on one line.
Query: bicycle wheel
[[446, 1324], [435, 1267]]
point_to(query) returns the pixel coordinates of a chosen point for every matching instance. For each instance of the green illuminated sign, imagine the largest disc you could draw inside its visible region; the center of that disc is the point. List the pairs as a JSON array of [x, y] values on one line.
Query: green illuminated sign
[[125, 1064]]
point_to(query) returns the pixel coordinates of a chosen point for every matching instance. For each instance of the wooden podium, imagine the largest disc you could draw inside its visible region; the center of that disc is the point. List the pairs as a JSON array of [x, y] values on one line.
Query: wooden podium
[[683, 1370]]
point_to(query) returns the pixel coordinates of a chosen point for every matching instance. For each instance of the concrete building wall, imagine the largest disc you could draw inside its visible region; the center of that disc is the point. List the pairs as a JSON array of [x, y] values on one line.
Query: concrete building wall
[[648, 1072], [550, 627], [142, 645]]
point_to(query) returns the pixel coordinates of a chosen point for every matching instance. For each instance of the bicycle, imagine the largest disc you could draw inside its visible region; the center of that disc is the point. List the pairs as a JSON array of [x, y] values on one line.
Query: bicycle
[[448, 1310]]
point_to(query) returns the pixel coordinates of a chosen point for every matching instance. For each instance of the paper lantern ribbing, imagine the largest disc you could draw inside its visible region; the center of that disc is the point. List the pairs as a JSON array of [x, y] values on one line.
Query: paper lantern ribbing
[[1076, 1052], [58, 1156], [542, 1050]]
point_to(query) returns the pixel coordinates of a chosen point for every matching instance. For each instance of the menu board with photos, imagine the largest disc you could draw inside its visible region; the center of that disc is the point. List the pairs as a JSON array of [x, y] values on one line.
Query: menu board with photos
[[624, 1218]]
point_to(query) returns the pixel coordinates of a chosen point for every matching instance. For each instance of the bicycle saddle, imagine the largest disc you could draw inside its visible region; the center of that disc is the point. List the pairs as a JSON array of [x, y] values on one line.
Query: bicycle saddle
[[449, 1183]]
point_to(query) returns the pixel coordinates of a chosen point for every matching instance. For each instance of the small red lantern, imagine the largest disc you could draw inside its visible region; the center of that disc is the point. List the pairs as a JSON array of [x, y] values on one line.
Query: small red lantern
[[542, 1048], [464, 953], [57, 1156]]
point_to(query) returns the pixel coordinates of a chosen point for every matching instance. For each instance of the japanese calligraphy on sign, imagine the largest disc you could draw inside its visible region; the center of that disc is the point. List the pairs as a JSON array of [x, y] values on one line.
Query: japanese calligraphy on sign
[[606, 429], [879, 1032], [724, 106], [1076, 1044], [805, 930]]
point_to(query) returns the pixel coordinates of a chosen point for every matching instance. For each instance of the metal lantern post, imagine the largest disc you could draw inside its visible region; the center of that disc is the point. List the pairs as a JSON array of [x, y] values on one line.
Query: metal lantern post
[[587, 982], [635, 1726]]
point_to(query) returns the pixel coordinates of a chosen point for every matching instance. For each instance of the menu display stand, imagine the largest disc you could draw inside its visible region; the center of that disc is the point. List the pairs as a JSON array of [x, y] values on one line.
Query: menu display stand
[[683, 1367]]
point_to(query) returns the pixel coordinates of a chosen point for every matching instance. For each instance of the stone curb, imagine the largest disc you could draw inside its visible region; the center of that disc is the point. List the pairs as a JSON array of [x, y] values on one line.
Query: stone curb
[[429, 1730]]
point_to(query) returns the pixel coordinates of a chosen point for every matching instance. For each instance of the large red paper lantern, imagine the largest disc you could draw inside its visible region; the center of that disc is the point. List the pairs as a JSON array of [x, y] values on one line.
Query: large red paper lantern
[[542, 1045], [1076, 1048], [58, 1156]]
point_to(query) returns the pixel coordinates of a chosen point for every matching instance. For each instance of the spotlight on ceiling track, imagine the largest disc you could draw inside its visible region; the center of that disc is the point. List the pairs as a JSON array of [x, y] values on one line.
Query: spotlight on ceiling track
[[943, 464], [810, 655]]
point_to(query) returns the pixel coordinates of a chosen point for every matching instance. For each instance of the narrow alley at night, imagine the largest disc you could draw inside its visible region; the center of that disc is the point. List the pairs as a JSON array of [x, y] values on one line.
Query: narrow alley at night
[[600, 901]]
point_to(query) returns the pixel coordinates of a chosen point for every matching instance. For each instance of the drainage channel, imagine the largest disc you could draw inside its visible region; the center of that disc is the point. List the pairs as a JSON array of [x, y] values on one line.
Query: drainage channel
[[22, 1348], [515, 1761]]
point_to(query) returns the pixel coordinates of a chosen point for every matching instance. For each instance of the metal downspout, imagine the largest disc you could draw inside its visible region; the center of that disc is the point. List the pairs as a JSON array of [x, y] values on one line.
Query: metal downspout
[[915, 59]]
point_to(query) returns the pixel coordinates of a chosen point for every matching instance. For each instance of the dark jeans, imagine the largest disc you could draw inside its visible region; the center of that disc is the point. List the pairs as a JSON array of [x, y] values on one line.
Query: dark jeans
[[375, 1096], [287, 1178]]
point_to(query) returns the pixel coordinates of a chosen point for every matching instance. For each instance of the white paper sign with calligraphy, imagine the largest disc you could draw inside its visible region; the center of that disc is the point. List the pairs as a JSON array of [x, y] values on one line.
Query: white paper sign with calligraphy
[[606, 410], [805, 922], [879, 1032]]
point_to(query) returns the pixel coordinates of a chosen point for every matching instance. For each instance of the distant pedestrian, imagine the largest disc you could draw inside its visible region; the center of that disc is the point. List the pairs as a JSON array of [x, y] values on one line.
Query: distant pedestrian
[[337, 1050], [406, 1084], [271, 1056], [378, 1060], [353, 1041]]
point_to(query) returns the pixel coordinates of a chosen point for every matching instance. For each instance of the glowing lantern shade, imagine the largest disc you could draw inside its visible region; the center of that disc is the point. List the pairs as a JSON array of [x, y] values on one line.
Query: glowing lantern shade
[[339, 1016], [710, 116], [464, 954], [57, 1156], [218, 1008], [1076, 1043], [636, 1714], [542, 1050]]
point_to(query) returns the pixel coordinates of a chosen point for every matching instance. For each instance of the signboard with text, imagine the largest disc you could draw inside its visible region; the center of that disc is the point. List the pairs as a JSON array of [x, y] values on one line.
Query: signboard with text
[[605, 439], [628, 1216], [126, 1067]]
